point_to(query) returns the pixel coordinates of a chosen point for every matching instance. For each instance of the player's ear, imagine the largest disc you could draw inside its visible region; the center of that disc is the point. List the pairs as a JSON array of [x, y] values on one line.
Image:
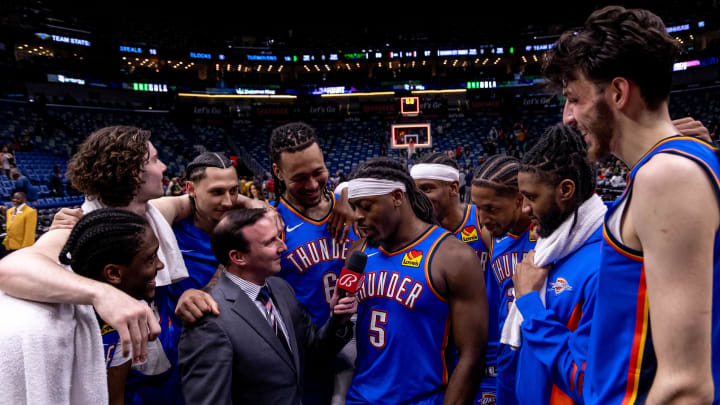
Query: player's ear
[[620, 92], [519, 199], [113, 273], [397, 197], [566, 190], [454, 189], [278, 173]]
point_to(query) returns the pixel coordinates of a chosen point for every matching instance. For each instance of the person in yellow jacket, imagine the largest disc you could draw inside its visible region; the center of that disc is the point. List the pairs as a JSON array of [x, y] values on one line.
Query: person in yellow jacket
[[21, 222]]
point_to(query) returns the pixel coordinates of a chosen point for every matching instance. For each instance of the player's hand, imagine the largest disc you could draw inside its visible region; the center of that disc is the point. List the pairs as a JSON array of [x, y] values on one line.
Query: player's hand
[[275, 216], [690, 127], [193, 304], [66, 218], [346, 306], [133, 320], [341, 218], [529, 277]]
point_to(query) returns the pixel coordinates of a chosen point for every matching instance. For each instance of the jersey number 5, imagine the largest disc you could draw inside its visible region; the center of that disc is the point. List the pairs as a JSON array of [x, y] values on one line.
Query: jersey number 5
[[377, 332]]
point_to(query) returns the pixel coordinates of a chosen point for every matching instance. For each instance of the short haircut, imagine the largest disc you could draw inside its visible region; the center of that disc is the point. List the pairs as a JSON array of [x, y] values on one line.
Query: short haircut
[[108, 164], [439, 158], [558, 155], [101, 237], [499, 173], [195, 170], [617, 42], [228, 236]]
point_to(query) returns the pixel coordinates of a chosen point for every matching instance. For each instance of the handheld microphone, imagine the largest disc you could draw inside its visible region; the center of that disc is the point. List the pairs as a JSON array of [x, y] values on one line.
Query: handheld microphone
[[348, 282], [352, 274]]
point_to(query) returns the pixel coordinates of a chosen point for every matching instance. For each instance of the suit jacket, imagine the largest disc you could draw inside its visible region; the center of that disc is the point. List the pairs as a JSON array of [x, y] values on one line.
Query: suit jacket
[[21, 229], [236, 358]]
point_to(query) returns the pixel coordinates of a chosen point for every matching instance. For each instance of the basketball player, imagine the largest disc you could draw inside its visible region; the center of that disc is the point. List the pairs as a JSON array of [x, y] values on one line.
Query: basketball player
[[658, 288], [509, 236], [416, 297], [557, 302], [314, 256], [438, 176]]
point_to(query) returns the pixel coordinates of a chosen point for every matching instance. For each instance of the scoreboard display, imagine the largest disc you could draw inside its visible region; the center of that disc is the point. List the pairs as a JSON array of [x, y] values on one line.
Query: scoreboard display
[[410, 105]]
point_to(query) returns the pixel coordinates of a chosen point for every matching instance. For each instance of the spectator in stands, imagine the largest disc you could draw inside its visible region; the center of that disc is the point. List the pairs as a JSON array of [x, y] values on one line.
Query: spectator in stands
[[7, 157], [270, 187], [245, 187], [618, 181], [174, 188], [22, 183], [256, 191], [493, 134], [55, 183], [21, 222]]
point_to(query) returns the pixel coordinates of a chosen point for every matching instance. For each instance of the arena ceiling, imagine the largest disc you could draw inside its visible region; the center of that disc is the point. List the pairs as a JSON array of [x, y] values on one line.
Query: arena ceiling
[[328, 24]]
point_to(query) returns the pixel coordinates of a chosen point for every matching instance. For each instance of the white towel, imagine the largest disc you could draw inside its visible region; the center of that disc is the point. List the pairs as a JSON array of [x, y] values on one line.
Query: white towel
[[168, 253], [563, 242], [50, 354]]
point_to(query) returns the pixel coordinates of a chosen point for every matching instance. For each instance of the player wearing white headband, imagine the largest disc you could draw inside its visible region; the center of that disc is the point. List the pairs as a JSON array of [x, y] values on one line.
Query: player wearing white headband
[[437, 176], [418, 306]]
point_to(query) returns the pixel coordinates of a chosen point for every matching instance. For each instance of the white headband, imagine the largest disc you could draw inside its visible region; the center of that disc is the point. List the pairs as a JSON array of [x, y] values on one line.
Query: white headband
[[369, 187], [340, 187], [434, 171]]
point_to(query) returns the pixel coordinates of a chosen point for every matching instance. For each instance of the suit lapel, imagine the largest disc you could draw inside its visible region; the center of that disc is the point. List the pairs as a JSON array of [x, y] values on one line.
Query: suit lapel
[[284, 308], [247, 310]]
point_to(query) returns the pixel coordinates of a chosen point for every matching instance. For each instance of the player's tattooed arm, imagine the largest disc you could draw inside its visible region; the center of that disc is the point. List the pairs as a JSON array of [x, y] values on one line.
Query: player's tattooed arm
[[453, 274]]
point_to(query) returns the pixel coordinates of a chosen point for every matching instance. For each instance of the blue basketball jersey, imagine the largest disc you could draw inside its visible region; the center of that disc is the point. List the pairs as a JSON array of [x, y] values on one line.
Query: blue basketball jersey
[[624, 374], [148, 387], [313, 261], [555, 336], [470, 232], [403, 327], [199, 259], [506, 253]]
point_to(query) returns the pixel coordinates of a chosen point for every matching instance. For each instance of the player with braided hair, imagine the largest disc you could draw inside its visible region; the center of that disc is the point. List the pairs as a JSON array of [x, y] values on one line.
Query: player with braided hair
[[117, 247], [438, 177], [318, 236], [556, 285], [416, 295], [560, 154], [509, 236]]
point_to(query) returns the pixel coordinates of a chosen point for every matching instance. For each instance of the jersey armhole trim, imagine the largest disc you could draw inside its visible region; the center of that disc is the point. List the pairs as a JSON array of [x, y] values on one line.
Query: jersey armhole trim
[[428, 265]]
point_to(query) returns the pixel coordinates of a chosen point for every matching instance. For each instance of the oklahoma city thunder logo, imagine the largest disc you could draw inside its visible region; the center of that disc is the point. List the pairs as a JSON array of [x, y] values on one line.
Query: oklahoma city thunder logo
[[469, 234], [412, 258], [560, 285]]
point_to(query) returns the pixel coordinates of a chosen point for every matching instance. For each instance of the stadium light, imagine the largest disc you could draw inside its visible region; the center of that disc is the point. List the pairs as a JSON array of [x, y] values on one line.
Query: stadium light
[[280, 96], [439, 91], [377, 93]]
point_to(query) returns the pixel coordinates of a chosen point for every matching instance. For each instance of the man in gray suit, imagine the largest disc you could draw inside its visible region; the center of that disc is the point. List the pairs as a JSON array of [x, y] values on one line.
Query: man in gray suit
[[255, 351]]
